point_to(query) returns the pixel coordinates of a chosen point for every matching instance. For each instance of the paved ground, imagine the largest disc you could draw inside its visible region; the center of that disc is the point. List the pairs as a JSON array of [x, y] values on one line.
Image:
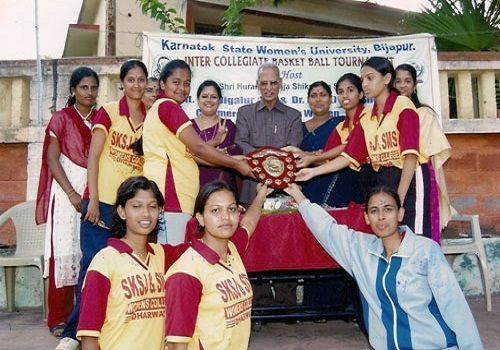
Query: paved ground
[[25, 330]]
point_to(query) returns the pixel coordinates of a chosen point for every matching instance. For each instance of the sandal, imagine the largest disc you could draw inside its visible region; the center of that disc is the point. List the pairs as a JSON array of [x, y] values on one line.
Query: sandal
[[57, 330]]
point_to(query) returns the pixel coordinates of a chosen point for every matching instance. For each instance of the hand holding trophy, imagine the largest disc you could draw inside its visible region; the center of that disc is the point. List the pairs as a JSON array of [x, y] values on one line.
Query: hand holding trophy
[[272, 166]]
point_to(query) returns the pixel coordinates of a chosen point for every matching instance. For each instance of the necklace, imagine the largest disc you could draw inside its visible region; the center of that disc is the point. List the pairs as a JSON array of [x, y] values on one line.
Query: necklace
[[228, 259], [87, 117], [205, 128], [141, 255], [315, 124]]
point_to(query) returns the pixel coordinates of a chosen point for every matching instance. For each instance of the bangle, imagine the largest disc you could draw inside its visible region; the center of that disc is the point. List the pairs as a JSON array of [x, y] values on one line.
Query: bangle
[[70, 192]]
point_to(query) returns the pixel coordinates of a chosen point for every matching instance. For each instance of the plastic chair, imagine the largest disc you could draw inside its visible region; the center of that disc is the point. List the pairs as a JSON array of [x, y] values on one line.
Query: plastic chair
[[471, 243], [29, 249]]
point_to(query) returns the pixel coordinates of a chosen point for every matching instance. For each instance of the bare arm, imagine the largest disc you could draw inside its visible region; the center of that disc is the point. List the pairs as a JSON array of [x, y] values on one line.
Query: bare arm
[[96, 146], [90, 343], [309, 159], [330, 167], [176, 346], [252, 215], [200, 149], [53, 154], [409, 165], [203, 162]]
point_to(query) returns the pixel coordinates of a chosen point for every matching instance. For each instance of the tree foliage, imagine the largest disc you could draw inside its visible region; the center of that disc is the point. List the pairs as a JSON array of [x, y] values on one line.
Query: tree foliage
[[233, 15], [461, 25], [159, 11]]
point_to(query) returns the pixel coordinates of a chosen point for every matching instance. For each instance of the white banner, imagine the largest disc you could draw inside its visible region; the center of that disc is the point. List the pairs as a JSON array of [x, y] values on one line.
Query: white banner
[[233, 62]]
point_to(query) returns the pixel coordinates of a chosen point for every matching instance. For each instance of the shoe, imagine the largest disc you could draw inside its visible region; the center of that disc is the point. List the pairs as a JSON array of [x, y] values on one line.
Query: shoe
[[256, 326], [319, 320], [67, 343], [58, 330]]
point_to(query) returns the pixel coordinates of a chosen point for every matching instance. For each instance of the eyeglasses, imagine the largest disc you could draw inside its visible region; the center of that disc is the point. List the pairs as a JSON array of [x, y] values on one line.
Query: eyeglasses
[[272, 83]]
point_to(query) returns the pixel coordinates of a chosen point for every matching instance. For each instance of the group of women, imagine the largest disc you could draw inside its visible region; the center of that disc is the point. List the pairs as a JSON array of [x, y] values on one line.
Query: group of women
[[143, 176], [89, 154], [390, 142]]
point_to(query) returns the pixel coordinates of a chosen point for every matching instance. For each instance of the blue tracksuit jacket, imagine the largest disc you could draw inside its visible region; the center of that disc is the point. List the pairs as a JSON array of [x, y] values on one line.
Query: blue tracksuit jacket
[[411, 300]]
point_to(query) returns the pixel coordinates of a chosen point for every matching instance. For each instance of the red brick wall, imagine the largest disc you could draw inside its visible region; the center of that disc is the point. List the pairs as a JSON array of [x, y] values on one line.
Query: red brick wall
[[13, 177], [473, 177]]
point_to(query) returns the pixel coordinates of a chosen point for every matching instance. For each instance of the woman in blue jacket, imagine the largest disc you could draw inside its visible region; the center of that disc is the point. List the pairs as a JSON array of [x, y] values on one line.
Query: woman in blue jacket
[[410, 297]]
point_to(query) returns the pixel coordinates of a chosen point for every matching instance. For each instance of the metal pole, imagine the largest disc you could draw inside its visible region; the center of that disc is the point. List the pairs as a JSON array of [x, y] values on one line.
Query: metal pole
[[39, 121]]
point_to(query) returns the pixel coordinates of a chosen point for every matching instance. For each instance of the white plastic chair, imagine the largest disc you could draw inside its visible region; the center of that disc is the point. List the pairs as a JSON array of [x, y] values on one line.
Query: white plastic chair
[[29, 249], [471, 243]]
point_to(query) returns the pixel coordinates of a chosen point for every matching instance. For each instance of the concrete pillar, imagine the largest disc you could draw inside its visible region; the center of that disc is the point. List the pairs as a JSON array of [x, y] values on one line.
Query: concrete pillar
[[487, 98], [443, 89], [465, 104], [20, 102], [34, 160], [5, 102], [108, 89]]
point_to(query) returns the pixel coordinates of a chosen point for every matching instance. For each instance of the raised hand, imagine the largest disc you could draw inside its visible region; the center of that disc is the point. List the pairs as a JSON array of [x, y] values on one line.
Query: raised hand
[[221, 133], [244, 169], [263, 190], [294, 191]]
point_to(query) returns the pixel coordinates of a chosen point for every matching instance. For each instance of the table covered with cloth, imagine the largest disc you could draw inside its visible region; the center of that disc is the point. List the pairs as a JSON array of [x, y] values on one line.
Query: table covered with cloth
[[282, 241]]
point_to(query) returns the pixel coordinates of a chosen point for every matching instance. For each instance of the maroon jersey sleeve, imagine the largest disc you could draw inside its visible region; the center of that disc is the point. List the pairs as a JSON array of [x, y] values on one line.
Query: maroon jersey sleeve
[[172, 116], [333, 140], [102, 120], [409, 130], [355, 150], [182, 297], [94, 302]]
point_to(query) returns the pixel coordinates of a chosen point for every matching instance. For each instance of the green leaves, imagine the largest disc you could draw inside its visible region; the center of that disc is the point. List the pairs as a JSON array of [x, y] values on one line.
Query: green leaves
[[157, 10], [232, 17], [167, 17], [461, 25]]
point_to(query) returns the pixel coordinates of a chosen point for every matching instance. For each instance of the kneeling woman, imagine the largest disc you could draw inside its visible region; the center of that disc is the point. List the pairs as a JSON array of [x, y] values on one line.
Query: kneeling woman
[[122, 303], [208, 295], [409, 294]]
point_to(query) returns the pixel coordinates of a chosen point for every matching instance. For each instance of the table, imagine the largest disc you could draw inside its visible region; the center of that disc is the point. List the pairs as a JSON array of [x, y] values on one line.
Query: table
[[283, 242], [283, 249]]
